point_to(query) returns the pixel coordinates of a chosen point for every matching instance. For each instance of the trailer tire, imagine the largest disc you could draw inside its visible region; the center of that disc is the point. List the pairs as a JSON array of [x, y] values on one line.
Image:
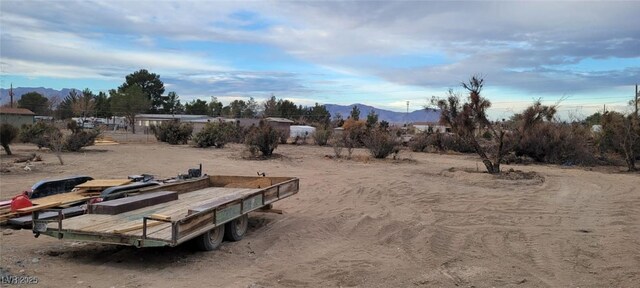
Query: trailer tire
[[211, 239], [235, 230]]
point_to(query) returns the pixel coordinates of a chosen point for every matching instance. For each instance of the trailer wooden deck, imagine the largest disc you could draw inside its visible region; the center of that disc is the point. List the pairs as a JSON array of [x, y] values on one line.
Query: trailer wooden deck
[[201, 206]]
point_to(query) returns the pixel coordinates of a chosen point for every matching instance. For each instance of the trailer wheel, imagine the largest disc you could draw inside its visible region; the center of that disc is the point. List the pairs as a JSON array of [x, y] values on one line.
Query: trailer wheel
[[235, 230], [211, 239]]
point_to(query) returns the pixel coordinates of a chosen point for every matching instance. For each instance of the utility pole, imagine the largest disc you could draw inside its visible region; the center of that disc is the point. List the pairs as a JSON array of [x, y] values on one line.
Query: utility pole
[[11, 96], [407, 117]]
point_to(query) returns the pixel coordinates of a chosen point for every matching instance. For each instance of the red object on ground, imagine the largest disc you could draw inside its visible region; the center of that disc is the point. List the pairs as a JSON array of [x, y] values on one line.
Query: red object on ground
[[20, 201], [95, 200]]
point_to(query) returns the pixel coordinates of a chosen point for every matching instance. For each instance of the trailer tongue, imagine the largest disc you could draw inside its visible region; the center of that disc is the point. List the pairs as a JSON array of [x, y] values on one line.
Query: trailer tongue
[[208, 209]]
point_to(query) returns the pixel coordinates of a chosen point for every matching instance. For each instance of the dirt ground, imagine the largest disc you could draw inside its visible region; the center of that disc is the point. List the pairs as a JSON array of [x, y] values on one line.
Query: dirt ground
[[427, 220]]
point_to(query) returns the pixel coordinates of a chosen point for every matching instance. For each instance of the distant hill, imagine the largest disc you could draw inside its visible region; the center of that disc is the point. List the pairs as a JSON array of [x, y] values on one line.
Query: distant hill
[[19, 91], [423, 115]]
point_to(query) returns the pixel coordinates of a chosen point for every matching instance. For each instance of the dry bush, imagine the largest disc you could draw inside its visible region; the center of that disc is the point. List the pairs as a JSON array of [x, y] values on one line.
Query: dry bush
[[420, 142], [621, 135], [214, 134], [263, 138], [381, 143], [337, 143], [557, 143], [284, 136], [355, 131], [322, 135], [7, 134], [74, 127], [172, 132]]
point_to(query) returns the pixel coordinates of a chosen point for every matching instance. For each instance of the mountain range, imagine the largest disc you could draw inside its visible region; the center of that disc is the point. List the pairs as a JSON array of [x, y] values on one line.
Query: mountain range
[[19, 91], [423, 115]]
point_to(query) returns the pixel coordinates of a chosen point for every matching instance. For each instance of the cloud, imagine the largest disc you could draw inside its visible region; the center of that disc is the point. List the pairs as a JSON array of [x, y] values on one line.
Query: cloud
[[527, 46]]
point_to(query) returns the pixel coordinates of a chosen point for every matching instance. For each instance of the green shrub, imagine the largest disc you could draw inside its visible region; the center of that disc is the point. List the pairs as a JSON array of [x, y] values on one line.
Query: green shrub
[[33, 133], [322, 136], [49, 136], [7, 134], [215, 134], [79, 139], [173, 132], [381, 143], [263, 138]]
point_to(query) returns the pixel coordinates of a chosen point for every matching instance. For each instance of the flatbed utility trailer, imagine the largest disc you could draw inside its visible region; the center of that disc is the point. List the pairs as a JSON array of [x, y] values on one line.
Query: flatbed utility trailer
[[207, 209]]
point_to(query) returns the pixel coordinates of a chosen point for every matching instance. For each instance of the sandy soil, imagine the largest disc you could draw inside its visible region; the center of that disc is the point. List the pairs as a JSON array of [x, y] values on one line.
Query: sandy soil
[[414, 222]]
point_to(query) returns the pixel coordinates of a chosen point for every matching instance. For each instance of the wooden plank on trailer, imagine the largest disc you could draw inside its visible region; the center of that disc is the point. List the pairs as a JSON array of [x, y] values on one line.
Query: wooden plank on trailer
[[159, 217], [39, 207], [186, 226], [70, 197], [138, 227], [132, 203], [27, 219], [103, 183], [175, 209]]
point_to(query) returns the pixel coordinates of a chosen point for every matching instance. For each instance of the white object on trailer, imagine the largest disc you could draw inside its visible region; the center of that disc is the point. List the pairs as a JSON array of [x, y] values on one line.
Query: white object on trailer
[[301, 131]]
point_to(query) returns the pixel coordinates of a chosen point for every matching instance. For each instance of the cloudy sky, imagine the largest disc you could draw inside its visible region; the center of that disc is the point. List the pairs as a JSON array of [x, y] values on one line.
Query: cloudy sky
[[379, 53]]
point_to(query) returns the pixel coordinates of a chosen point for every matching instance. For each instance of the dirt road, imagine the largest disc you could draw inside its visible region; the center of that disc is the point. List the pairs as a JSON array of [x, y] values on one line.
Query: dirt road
[[412, 222]]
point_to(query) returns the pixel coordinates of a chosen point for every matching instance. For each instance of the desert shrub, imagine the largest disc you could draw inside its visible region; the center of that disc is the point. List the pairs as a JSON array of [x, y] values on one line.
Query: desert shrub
[[263, 138], [49, 136], [172, 132], [215, 134], [322, 135], [236, 133], [33, 133], [355, 131], [337, 143], [79, 139], [556, 143], [74, 127], [449, 142], [487, 135], [381, 143], [284, 136], [420, 142], [621, 134], [7, 134]]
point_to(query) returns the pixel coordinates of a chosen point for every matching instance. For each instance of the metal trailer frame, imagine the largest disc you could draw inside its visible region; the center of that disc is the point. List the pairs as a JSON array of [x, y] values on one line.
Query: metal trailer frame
[[183, 229]]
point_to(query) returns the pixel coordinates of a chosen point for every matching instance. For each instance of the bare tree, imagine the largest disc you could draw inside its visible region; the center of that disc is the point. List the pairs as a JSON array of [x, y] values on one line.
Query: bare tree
[[85, 104], [468, 118], [55, 142]]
